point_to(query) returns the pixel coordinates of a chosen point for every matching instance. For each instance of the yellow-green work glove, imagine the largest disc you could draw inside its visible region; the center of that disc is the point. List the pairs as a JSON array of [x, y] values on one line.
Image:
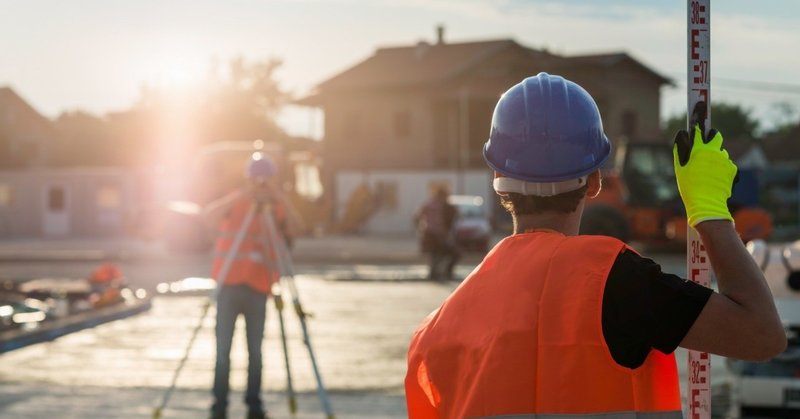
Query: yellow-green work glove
[[704, 172]]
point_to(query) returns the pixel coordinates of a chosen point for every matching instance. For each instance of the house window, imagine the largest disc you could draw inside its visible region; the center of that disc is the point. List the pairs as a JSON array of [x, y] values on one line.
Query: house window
[[629, 124], [402, 124], [56, 199], [307, 181], [108, 197], [5, 195]]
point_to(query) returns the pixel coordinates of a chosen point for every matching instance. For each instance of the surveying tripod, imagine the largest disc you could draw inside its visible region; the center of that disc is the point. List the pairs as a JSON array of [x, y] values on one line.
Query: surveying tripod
[[270, 237]]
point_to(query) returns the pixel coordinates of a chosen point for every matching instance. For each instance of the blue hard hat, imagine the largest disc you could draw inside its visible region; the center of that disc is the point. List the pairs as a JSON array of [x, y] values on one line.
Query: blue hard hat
[[546, 129], [260, 165]]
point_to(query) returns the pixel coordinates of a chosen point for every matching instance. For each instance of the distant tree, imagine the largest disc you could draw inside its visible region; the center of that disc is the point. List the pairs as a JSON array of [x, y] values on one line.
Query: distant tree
[[786, 117], [734, 121], [170, 123], [243, 106], [239, 105]]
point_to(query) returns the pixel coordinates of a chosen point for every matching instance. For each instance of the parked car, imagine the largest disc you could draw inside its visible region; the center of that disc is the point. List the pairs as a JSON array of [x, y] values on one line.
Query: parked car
[[472, 230], [18, 313], [763, 389]]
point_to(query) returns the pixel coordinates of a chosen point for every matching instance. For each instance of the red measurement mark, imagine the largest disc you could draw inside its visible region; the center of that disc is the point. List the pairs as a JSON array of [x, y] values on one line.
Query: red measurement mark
[[695, 404], [701, 70], [695, 44], [695, 277], [698, 13], [698, 252], [702, 94], [697, 373]]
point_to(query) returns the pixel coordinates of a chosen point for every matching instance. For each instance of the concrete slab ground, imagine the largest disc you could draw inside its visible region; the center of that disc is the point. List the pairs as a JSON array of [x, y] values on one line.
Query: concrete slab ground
[[360, 331], [364, 312], [324, 249]]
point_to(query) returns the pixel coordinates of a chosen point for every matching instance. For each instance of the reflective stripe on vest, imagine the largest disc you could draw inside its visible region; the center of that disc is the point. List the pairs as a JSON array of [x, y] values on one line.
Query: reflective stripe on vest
[[253, 255], [231, 234], [522, 335], [613, 415]]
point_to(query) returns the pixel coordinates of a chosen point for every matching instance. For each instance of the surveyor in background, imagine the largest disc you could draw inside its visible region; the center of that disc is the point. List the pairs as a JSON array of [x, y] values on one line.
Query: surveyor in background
[[557, 323], [248, 283], [435, 220]]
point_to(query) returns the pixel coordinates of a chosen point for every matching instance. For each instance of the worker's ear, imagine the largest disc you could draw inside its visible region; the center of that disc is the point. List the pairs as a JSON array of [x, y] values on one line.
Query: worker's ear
[[595, 184]]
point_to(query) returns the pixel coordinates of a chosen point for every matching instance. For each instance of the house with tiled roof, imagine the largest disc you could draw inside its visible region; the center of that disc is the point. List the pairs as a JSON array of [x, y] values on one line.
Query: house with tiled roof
[[38, 200], [417, 115], [25, 135]]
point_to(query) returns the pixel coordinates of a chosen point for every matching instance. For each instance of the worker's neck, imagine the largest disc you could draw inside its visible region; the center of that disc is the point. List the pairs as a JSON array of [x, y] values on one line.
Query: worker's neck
[[568, 224]]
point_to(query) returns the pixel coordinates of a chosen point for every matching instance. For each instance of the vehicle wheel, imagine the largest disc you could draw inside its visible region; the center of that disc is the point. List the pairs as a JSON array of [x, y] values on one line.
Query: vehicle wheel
[[605, 221]]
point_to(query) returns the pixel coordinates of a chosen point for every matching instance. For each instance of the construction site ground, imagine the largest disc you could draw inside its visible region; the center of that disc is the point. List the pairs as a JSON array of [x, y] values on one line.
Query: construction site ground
[[366, 293]]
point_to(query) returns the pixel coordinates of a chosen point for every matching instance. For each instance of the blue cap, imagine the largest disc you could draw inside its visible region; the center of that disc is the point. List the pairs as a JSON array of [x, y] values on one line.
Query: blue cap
[[546, 129], [260, 165]]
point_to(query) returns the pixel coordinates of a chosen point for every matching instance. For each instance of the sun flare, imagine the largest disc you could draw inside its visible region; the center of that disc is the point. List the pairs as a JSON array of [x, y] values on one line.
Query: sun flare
[[177, 74]]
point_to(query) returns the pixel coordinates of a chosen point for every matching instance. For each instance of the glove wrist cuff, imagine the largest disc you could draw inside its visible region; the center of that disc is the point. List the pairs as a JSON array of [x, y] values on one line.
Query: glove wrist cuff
[[696, 218]]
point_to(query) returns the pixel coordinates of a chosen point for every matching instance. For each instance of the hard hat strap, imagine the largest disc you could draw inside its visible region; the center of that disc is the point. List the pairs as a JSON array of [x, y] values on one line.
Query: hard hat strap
[[509, 185]]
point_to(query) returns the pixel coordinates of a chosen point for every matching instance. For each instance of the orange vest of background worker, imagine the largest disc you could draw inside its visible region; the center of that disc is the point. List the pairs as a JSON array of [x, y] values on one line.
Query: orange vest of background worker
[[254, 264], [459, 360]]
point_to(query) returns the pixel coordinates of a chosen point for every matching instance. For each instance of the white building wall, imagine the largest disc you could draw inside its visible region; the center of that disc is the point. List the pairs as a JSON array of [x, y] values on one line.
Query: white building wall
[[23, 213], [411, 188]]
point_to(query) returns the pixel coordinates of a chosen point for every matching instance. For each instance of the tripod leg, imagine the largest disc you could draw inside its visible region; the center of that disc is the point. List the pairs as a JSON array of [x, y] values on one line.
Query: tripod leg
[[289, 386], [323, 394], [223, 274], [285, 263]]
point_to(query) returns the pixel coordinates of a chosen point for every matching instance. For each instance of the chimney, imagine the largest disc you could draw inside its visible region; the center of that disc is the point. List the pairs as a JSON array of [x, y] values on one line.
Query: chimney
[[439, 34]]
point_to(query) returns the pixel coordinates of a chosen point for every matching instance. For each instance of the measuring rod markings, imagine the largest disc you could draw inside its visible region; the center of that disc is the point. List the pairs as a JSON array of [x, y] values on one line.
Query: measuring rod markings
[[697, 264]]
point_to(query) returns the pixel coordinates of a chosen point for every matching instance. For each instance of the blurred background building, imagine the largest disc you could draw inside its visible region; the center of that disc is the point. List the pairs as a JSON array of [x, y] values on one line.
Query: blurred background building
[[412, 117], [402, 121]]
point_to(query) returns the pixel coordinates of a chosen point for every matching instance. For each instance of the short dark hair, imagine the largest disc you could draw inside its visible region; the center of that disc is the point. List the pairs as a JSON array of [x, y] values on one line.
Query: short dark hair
[[518, 204]]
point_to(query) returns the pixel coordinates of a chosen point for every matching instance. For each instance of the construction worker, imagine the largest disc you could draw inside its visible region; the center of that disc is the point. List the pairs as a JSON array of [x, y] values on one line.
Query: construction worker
[[553, 323], [105, 283], [249, 280], [435, 220]]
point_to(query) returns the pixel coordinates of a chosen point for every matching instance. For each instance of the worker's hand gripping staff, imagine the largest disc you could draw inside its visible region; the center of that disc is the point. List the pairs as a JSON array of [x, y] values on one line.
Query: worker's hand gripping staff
[[704, 172]]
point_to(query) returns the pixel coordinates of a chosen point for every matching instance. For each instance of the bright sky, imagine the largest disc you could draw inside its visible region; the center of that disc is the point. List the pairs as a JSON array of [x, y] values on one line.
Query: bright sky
[[95, 54]]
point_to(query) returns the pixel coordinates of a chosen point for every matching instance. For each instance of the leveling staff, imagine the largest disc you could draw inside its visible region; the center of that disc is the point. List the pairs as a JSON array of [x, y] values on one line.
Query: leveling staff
[[552, 323]]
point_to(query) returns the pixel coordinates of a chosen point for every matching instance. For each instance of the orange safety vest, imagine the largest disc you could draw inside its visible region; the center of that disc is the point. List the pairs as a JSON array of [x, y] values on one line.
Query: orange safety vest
[[522, 337], [105, 273], [255, 264]]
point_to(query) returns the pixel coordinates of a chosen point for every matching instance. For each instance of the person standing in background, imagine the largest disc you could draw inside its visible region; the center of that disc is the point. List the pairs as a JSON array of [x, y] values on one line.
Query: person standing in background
[[435, 220]]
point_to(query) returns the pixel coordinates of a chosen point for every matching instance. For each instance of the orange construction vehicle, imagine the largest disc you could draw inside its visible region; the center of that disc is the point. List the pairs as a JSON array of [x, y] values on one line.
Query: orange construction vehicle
[[639, 201]]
